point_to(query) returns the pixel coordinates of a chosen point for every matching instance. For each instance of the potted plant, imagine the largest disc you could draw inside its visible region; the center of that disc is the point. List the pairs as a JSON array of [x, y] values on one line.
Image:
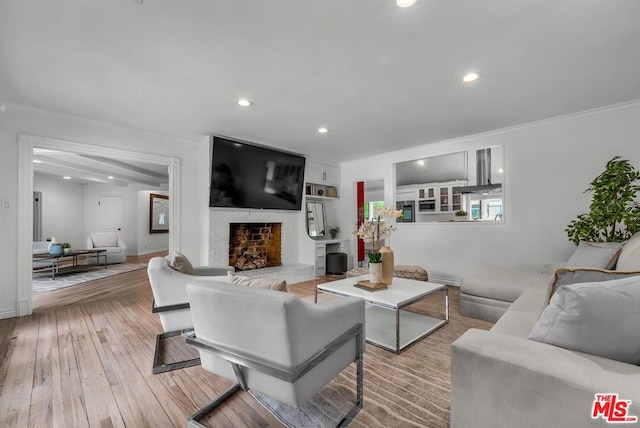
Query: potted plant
[[334, 231], [614, 213], [375, 231], [66, 247]]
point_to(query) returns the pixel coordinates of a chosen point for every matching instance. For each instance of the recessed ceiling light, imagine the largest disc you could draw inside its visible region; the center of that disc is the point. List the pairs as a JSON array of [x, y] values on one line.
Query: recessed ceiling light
[[244, 102], [37, 161], [110, 177], [405, 3], [421, 162], [471, 77], [323, 130], [66, 177]]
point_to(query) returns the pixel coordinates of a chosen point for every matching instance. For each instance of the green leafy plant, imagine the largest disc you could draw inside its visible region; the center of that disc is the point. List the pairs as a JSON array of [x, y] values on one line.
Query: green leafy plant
[[614, 213], [461, 213], [66, 245], [334, 231], [375, 257]]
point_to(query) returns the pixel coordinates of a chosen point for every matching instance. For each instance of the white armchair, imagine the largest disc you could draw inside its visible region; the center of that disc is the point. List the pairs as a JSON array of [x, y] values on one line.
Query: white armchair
[[171, 304], [272, 342], [116, 250]]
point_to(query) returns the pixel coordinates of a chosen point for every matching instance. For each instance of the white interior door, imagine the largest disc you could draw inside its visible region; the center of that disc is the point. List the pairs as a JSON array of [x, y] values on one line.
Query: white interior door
[[109, 213]]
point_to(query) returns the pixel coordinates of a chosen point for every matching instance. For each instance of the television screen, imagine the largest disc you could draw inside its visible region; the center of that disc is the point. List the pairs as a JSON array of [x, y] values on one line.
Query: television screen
[[247, 176]]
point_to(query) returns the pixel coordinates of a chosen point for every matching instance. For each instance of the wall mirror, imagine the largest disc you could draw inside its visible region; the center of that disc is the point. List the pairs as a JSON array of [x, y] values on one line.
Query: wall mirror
[[316, 220], [158, 213], [464, 186]]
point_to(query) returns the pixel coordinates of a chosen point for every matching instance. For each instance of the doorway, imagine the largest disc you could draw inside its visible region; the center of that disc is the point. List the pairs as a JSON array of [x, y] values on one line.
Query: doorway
[[26, 144]]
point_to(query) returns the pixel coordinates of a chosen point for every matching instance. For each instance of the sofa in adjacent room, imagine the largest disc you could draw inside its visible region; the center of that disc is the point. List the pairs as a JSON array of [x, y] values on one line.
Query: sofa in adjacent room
[[544, 360]]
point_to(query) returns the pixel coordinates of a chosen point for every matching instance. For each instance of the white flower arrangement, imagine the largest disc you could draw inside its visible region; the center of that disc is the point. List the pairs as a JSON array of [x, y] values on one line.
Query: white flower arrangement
[[376, 230]]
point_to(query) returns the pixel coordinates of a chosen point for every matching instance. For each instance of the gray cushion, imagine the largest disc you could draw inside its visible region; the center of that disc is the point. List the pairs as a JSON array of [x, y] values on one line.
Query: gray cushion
[[598, 318], [502, 283], [566, 276], [599, 255]]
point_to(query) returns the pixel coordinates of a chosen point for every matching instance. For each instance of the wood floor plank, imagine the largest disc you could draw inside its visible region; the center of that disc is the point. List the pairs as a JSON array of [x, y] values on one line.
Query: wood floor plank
[[73, 411], [15, 401]]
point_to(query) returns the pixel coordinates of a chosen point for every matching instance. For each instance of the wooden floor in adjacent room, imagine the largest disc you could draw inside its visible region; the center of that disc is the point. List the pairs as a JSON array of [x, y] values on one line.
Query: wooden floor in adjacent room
[[84, 359]]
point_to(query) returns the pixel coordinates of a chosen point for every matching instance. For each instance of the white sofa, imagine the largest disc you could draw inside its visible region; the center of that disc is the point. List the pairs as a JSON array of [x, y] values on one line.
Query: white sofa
[[116, 250], [500, 378]]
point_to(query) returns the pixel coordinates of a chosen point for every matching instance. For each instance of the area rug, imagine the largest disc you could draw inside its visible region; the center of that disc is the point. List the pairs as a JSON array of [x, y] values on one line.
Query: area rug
[[43, 282], [325, 409]]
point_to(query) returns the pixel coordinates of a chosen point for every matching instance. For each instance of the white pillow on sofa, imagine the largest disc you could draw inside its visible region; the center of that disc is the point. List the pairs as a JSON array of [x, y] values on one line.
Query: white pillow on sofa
[[598, 255], [598, 318], [629, 259]]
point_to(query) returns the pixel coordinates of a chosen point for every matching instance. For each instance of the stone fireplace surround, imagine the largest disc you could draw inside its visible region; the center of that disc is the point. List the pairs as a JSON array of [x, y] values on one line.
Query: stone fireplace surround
[[291, 270]]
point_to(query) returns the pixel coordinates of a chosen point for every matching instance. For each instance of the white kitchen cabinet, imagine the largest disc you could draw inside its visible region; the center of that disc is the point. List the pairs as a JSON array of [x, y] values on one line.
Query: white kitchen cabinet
[[321, 181], [441, 198], [320, 173]]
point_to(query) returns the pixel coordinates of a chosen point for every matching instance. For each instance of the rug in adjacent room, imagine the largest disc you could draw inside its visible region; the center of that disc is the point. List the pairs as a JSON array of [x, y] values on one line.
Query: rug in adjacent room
[[43, 282]]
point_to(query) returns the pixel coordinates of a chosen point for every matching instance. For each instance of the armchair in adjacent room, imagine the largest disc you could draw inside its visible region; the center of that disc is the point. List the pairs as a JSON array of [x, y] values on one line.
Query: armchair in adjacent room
[[274, 343], [170, 299], [116, 250]]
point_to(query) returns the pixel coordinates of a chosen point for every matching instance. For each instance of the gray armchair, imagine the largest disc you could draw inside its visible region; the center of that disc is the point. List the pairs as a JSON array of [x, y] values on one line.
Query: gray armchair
[[170, 302], [272, 342]]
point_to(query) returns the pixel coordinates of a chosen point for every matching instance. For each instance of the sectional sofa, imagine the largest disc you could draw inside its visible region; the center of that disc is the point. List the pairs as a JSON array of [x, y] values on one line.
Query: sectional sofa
[[505, 378]]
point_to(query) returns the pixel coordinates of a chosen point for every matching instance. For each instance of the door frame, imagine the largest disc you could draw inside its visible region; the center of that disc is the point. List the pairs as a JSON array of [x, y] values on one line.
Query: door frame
[[26, 143]]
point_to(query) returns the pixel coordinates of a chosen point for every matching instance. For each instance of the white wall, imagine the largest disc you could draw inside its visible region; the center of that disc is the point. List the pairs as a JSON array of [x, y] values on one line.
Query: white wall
[[62, 209], [149, 242], [135, 229], [192, 198], [547, 166]]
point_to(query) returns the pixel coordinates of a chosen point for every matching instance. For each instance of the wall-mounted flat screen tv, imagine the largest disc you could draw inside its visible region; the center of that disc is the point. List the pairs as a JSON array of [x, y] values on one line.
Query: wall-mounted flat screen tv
[[245, 175]]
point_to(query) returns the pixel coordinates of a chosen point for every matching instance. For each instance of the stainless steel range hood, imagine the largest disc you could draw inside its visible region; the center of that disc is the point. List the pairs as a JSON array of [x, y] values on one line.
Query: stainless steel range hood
[[483, 175]]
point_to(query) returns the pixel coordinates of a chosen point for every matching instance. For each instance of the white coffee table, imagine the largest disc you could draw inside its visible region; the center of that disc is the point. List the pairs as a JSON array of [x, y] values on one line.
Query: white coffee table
[[386, 324]]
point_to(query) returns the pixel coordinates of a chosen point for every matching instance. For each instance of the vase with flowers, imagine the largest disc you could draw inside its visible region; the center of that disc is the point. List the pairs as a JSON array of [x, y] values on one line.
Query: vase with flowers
[[374, 231]]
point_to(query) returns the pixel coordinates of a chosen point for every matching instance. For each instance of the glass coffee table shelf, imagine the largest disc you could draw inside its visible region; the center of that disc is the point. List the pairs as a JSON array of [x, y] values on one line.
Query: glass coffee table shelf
[[387, 324]]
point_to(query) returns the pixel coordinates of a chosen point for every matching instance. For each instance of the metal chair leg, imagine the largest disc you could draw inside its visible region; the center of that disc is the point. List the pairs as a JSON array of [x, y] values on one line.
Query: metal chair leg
[[162, 368]]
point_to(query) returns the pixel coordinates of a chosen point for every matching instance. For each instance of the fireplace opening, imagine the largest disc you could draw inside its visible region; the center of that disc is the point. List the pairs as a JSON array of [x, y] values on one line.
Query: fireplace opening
[[255, 245]]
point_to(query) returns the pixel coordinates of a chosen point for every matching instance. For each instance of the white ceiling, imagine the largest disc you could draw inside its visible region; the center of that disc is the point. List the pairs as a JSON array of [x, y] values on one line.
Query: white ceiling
[[378, 76], [85, 169]]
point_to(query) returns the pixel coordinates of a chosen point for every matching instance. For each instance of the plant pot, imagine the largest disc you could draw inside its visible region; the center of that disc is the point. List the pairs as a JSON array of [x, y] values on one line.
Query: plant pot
[[375, 273], [67, 250]]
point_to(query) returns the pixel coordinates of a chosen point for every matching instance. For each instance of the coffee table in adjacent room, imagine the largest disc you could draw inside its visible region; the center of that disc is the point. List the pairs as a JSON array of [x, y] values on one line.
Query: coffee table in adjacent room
[[387, 324]]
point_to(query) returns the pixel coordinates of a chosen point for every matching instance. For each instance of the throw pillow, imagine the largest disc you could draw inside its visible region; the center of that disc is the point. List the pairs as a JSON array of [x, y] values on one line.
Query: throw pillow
[[182, 264], [629, 259], [566, 276], [598, 318], [278, 285], [598, 255]]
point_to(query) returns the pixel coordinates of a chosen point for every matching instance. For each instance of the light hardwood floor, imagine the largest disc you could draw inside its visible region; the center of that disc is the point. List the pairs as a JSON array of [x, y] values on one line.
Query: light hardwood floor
[[84, 359]]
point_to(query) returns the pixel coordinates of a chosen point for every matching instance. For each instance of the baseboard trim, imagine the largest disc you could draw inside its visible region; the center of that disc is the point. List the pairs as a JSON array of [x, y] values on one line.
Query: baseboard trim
[[8, 313], [445, 280], [142, 253]]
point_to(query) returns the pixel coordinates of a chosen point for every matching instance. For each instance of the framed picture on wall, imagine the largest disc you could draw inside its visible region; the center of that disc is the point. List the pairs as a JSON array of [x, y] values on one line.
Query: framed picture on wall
[[158, 213]]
